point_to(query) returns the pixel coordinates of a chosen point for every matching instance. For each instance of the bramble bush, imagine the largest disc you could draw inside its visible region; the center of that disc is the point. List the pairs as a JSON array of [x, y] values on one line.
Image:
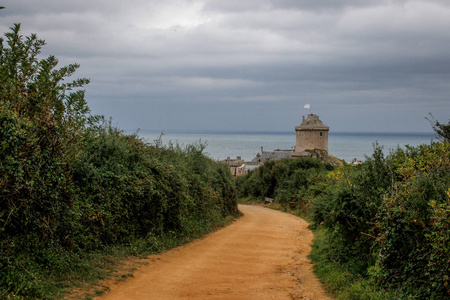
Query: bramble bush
[[133, 189], [385, 220], [72, 185], [410, 222], [348, 207]]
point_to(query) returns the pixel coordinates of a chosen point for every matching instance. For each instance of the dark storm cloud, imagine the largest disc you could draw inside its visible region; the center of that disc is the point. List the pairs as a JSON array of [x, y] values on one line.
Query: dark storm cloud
[[243, 61]]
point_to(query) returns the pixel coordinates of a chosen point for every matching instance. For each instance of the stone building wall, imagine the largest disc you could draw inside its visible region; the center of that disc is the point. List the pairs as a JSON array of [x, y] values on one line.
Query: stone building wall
[[311, 139], [311, 134]]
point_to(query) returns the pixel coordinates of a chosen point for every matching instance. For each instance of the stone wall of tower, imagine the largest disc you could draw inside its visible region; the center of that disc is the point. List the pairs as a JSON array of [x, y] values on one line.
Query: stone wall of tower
[[311, 134], [309, 139]]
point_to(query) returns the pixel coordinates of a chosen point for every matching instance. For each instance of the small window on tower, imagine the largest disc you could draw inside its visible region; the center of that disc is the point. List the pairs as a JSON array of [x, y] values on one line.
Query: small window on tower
[[321, 133]]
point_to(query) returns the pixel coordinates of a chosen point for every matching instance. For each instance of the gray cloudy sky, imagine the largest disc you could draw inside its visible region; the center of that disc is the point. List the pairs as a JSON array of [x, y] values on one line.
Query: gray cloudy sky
[[372, 65]]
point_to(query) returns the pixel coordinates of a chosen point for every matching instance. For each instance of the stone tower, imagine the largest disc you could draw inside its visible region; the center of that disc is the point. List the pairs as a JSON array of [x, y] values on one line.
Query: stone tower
[[311, 134]]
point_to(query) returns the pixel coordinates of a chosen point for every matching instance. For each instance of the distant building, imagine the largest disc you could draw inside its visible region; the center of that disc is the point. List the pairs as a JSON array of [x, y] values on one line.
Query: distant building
[[235, 162], [312, 134], [272, 155], [240, 167], [311, 138], [311, 141]]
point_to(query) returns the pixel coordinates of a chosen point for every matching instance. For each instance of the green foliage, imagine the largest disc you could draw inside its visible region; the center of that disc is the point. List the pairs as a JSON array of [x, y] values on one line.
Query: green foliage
[[348, 207], [42, 121], [341, 281], [72, 185], [134, 189], [382, 227], [438, 237], [385, 219], [408, 221], [291, 181], [443, 130]]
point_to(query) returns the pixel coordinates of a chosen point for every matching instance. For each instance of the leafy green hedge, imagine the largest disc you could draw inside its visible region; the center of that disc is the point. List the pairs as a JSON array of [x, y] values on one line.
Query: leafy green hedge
[[385, 221], [72, 185], [290, 181], [130, 189], [387, 218]]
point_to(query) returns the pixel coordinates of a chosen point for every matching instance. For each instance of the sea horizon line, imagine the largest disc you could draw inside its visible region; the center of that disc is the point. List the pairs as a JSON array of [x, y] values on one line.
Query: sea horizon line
[[268, 132]]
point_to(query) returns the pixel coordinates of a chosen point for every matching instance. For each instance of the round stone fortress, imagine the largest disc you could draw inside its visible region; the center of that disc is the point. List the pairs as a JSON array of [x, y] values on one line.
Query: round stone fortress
[[311, 134]]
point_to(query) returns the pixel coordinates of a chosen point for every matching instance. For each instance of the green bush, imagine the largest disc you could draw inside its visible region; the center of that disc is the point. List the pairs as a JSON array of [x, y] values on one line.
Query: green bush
[[385, 219], [128, 188], [438, 237], [290, 181], [42, 120], [348, 208], [409, 222], [73, 187]]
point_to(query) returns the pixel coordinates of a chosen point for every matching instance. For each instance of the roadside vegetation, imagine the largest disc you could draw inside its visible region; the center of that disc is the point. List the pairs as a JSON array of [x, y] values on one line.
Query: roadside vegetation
[[76, 192], [294, 183], [382, 228]]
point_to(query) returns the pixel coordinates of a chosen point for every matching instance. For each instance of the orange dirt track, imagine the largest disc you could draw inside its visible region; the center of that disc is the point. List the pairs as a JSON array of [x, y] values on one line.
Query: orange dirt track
[[260, 256]]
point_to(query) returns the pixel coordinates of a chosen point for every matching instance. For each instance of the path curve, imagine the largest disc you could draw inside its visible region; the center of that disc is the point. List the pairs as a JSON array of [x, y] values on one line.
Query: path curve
[[260, 256]]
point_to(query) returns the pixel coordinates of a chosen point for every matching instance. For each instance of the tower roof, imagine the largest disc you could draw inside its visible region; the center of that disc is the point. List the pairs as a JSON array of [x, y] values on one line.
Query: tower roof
[[312, 122]]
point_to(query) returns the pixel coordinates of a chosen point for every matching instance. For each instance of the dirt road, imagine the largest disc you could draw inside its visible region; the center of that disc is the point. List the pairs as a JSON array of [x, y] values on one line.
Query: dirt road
[[261, 256]]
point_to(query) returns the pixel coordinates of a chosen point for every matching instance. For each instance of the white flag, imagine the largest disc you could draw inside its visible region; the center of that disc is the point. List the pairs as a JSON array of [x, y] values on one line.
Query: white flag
[[308, 106]]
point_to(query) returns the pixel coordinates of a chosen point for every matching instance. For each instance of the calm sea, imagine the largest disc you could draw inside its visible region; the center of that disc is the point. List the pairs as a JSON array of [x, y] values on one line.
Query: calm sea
[[347, 146]]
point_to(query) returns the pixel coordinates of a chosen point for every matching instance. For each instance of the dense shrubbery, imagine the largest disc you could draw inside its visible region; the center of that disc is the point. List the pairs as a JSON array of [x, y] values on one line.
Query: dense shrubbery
[[41, 127], [291, 181], [71, 184], [132, 189], [386, 220]]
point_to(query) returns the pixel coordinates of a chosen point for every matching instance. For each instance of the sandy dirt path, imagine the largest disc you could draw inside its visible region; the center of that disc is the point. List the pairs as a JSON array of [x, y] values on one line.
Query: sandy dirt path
[[260, 256]]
